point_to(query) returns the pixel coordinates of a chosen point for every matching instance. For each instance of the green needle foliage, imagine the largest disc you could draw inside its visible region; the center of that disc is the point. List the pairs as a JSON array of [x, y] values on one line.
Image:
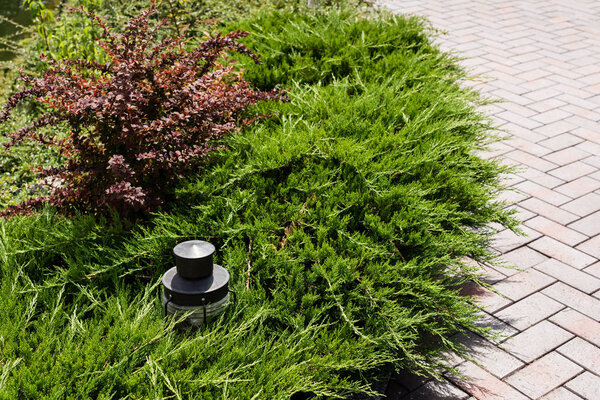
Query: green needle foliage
[[343, 221]]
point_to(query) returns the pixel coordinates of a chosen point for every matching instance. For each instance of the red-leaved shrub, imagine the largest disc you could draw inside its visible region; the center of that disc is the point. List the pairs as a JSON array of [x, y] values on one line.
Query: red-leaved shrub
[[147, 116]]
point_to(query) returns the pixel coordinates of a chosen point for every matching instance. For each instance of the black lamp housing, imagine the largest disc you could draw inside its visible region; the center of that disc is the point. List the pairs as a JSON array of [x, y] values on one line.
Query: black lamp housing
[[195, 284]]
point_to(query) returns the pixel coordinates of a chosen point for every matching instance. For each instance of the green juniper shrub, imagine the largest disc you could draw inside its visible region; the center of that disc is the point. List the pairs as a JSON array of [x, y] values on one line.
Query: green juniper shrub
[[343, 222]]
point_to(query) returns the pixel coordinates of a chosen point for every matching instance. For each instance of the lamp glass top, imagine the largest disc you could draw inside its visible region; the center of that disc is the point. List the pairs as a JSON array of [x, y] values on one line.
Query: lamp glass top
[[194, 249]]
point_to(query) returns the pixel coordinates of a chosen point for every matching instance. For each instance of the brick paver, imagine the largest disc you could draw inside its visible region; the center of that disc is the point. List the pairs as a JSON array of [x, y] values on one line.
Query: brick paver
[[560, 394], [579, 324], [583, 353], [587, 385], [544, 375], [536, 341], [569, 275], [529, 311], [542, 58], [497, 361]]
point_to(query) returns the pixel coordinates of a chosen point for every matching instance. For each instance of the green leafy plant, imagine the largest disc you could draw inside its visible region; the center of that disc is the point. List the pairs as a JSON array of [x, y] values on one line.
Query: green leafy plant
[[41, 17], [138, 122]]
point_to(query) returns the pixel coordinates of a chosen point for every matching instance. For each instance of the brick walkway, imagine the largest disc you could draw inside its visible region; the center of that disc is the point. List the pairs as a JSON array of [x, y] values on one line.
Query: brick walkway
[[543, 58]]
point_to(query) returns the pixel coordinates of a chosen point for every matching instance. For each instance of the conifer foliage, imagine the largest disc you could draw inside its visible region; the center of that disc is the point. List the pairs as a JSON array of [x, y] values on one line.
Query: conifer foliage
[[148, 115]]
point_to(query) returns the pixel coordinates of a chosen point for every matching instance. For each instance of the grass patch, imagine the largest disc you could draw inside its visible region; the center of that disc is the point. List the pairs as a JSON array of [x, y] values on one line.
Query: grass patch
[[343, 221]]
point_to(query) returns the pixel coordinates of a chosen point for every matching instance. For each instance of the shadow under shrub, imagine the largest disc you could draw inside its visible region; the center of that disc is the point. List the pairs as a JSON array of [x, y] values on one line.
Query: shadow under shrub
[[343, 222]]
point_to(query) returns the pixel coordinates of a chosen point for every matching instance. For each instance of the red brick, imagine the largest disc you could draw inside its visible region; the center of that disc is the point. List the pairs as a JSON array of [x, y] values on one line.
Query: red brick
[[521, 214], [583, 353], [529, 311], [559, 394], [522, 258], [536, 341], [548, 210], [529, 147], [584, 205], [576, 100], [561, 141], [589, 225], [496, 326], [594, 161], [586, 385], [437, 390], [511, 196], [556, 231], [555, 249], [566, 156], [572, 171], [569, 275], [588, 134], [593, 270], [551, 116], [531, 160], [541, 178], [545, 374], [579, 187], [496, 149], [523, 284], [517, 99], [533, 74], [542, 94], [555, 129], [583, 113], [485, 298], [590, 147], [524, 133], [574, 299], [488, 355], [519, 109], [544, 105], [483, 385], [578, 324], [543, 193], [591, 246], [518, 119], [507, 240]]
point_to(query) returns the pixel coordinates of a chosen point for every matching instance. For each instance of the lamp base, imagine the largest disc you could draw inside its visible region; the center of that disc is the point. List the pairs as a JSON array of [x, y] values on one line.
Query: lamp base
[[196, 313]]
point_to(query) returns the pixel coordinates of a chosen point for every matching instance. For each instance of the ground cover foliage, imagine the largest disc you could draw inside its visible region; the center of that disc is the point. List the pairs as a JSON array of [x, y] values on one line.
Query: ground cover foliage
[[342, 220]]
